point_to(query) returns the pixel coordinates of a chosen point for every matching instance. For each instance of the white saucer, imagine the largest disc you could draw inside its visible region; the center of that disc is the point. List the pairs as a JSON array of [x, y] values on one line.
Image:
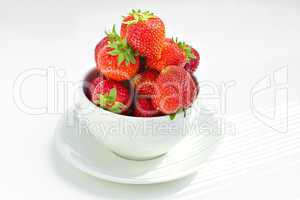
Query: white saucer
[[87, 154]]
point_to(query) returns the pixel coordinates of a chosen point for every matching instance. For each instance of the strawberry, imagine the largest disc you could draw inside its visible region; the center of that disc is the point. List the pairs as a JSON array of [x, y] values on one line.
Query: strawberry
[[190, 91], [144, 83], [99, 46], [144, 108], [110, 37], [144, 32], [111, 66], [173, 53], [117, 60], [176, 90], [92, 85], [192, 65], [124, 25], [111, 95]]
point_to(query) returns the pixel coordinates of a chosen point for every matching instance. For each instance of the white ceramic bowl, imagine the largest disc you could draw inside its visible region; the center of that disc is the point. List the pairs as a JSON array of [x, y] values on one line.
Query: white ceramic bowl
[[134, 138]]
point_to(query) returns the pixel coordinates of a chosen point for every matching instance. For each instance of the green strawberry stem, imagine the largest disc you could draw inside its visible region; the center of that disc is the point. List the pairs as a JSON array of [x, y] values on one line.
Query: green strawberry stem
[[172, 116], [139, 16], [120, 48], [108, 101], [186, 48], [113, 35], [117, 107]]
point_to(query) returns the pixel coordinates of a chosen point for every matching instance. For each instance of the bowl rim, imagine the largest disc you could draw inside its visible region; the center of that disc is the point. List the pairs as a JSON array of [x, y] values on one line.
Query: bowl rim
[[82, 88]]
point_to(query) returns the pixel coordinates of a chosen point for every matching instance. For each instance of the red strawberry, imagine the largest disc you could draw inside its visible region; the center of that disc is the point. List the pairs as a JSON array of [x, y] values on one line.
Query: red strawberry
[[144, 83], [176, 90], [111, 95], [110, 37], [192, 65], [144, 108], [117, 60], [99, 46], [190, 91], [173, 53], [144, 32], [124, 25], [92, 85]]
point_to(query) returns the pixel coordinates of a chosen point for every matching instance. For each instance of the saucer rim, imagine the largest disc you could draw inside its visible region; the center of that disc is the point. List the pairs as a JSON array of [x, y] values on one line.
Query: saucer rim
[[62, 149]]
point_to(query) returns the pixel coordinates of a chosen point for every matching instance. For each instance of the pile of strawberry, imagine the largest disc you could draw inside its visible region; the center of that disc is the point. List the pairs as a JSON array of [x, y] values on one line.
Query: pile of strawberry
[[143, 73]]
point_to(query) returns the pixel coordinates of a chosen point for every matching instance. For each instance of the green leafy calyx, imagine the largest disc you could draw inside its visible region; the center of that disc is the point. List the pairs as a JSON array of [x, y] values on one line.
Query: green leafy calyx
[[108, 101], [138, 16], [172, 116], [186, 48], [113, 35], [120, 48]]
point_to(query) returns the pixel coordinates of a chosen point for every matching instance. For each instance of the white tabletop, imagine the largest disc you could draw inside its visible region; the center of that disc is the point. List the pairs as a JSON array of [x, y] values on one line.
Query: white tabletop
[[244, 46]]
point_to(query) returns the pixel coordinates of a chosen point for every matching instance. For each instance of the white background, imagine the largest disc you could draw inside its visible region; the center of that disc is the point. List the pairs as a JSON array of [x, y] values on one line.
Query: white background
[[241, 41]]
